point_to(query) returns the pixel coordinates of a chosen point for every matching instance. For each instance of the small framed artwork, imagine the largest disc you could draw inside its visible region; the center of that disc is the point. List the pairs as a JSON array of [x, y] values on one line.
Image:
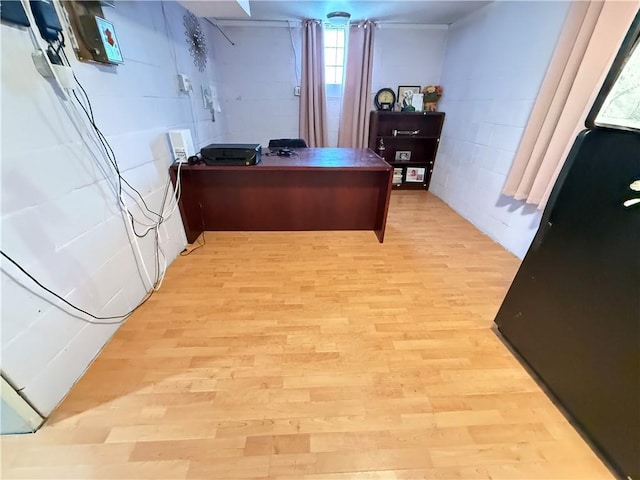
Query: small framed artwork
[[415, 175], [403, 155], [403, 92]]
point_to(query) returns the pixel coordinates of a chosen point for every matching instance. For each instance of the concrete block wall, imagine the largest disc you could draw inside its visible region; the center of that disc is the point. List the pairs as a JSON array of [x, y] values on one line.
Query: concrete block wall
[[261, 70], [60, 218], [259, 74], [408, 55], [494, 64]]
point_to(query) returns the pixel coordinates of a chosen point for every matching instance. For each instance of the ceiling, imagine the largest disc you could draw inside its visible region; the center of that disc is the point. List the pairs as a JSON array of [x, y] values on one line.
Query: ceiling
[[435, 12]]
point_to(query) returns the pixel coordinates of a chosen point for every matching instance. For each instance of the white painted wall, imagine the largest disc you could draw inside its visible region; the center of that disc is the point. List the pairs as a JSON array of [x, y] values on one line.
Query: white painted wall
[[408, 55], [260, 71], [259, 74], [493, 68], [59, 215]]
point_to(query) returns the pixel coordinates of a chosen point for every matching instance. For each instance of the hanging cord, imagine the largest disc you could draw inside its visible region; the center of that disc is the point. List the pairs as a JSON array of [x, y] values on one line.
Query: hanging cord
[[78, 125], [110, 155], [121, 318], [55, 51], [198, 246], [223, 34]]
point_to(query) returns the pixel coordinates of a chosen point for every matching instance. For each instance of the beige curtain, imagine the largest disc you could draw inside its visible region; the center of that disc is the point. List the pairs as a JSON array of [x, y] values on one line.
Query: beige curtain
[[356, 97], [313, 103], [590, 39]]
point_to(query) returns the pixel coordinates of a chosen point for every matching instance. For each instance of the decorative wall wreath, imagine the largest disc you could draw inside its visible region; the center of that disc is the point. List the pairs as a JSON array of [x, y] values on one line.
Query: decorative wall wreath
[[196, 40]]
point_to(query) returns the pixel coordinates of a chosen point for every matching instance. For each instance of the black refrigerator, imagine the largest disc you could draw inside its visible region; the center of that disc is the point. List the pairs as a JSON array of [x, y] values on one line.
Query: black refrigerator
[[572, 313]]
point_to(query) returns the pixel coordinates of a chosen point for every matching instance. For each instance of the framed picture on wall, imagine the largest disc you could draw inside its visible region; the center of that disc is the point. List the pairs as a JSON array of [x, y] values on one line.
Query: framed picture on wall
[[403, 89]]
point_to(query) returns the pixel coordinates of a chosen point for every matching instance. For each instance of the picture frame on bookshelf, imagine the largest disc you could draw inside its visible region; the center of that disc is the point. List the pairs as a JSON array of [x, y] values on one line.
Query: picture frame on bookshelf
[[403, 155], [415, 174], [402, 89], [397, 176]]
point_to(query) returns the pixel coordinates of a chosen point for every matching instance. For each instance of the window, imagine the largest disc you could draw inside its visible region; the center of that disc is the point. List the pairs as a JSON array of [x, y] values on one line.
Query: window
[[622, 104], [333, 55]]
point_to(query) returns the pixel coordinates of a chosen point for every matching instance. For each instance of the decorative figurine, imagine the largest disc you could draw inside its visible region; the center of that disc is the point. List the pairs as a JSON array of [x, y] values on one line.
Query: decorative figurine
[[381, 148]]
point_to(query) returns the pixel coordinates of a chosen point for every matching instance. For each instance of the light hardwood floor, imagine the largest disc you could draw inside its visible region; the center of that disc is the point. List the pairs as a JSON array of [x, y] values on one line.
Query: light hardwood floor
[[315, 355]]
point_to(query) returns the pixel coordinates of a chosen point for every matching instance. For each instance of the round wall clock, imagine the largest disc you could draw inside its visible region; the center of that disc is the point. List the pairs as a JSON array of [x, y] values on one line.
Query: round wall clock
[[196, 40], [385, 99]]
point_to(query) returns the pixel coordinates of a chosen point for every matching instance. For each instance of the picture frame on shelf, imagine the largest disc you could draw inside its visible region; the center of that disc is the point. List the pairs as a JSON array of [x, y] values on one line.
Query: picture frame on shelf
[[397, 176], [402, 89], [403, 156], [415, 174], [418, 101]]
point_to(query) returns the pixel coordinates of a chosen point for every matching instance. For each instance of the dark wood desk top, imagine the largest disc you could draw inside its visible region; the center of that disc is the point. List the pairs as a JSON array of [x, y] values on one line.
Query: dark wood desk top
[[310, 158]]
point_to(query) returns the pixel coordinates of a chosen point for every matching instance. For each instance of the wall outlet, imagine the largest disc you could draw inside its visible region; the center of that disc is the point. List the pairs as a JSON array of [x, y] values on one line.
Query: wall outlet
[[296, 91]]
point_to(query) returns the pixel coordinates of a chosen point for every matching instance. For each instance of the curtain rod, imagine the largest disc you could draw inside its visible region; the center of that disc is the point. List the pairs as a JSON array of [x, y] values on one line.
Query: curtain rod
[[298, 23]]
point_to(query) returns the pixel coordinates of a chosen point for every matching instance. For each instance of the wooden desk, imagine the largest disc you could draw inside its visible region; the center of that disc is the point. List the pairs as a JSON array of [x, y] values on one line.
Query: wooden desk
[[317, 189]]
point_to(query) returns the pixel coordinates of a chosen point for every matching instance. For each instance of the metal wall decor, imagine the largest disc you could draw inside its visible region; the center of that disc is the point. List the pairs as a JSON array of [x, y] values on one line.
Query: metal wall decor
[[196, 40]]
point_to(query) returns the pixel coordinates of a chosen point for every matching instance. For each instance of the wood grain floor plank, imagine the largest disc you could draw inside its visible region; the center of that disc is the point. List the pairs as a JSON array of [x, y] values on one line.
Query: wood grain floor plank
[[319, 356]]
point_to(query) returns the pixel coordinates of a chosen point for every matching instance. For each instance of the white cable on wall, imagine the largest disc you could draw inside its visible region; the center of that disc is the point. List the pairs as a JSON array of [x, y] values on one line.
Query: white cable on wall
[[64, 90]]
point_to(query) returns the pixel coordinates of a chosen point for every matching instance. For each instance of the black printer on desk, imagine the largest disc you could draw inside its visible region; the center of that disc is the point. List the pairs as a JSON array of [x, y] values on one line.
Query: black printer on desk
[[231, 154]]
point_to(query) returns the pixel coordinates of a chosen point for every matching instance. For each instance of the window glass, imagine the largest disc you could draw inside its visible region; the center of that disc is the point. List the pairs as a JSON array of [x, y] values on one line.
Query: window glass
[[330, 75], [333, 55], [330, 37], [330, 57], [621, 107]]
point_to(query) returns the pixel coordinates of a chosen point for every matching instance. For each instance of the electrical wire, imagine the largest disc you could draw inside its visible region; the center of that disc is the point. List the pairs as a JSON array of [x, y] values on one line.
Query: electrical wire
[[63, 91], [108, 149], [121, 318], [110, 155], [220, 30], [200, 245], [113, 161], [160, 271]]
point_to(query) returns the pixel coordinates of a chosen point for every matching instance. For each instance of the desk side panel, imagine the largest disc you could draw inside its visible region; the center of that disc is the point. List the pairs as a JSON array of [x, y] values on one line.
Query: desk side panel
[[384, 197], [189, 204]]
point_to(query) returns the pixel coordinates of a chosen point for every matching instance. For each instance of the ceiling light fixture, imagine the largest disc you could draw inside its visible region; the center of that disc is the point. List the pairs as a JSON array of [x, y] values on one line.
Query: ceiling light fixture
[[338, 19]]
